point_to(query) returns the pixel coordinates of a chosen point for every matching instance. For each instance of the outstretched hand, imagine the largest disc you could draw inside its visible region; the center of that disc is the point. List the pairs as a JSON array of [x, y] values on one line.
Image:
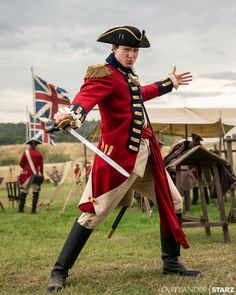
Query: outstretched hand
[[183, 78]]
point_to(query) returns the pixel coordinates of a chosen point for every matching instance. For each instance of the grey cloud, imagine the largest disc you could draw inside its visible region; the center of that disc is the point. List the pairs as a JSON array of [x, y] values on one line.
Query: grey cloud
[[210, 49], [59, 38], [221, 75], [197, 94], [230, 84], [13, 110], [6, 28]]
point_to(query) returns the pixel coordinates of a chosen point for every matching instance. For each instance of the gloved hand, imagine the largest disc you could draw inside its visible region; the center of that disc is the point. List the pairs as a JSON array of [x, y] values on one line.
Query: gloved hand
[[66, 117]]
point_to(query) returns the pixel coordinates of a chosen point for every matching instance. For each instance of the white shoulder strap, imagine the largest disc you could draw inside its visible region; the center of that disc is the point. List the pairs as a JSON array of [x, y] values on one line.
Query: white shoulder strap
[[30, 161]]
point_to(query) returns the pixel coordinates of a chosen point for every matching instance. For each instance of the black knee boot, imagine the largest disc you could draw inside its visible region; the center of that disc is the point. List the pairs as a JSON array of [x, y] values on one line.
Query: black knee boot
[[195, 196], [170, 254], [34, 202], [22, 198], [75, 242]]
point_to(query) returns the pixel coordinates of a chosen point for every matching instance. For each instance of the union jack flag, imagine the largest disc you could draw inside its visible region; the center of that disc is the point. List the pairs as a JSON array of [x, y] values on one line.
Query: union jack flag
[[37, 130], [48, 98]]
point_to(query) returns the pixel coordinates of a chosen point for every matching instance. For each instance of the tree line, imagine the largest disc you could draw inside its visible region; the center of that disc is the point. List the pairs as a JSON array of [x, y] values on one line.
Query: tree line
[[15, 133]]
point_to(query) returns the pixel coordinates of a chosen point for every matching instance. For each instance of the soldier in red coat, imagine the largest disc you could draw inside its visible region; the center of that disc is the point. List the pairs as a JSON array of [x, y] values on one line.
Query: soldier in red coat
[[77, 173], [88, 168], [31, 163], [127, 139]]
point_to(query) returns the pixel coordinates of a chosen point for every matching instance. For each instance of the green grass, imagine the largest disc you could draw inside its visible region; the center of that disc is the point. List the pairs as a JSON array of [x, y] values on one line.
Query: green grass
[[128, 263]]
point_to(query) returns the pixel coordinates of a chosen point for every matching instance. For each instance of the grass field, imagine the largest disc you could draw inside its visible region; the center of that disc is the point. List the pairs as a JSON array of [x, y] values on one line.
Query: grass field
[[128, 263]]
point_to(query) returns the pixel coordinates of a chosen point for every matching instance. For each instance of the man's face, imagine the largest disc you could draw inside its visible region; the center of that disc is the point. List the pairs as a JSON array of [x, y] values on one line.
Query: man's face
[[125, 55], [33, 145]]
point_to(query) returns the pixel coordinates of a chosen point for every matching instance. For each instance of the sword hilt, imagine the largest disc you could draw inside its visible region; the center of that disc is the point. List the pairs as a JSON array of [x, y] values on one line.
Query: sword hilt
[[62, 126], [52, 128]]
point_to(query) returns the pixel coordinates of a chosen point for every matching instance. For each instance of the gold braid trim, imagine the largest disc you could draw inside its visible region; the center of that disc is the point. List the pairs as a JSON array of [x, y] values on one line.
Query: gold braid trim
[[97, 71]]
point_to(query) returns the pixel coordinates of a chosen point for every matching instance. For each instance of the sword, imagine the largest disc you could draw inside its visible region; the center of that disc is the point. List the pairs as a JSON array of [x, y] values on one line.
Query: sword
[[92, 147]]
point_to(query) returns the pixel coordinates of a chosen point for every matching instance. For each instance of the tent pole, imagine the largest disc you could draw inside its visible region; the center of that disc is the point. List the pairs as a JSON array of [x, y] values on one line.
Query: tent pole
[[186, 131]]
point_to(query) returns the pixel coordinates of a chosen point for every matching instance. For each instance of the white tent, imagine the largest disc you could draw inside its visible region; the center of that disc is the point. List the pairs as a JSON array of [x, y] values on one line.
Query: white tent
[[182, 121], [206, 99]]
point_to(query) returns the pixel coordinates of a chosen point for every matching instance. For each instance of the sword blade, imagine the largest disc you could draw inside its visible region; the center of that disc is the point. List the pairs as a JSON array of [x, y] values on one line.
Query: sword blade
[[97, 151]]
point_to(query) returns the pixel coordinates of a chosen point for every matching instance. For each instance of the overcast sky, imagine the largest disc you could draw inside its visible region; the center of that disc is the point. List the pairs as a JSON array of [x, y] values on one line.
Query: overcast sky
[[58, 38]]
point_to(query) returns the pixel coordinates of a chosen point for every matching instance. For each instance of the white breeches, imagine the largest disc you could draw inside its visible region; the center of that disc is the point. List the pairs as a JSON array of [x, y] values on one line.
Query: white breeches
[[143, 185], [25, 187]]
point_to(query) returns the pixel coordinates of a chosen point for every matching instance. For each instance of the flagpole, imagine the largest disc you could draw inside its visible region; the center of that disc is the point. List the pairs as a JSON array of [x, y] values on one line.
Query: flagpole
[[34, 101], [33, 89], [27, 124]]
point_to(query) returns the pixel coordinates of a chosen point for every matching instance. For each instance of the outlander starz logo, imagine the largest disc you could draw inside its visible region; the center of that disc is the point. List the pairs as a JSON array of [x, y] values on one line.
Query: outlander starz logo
[[183, 290], [222, 290], [197, 290]]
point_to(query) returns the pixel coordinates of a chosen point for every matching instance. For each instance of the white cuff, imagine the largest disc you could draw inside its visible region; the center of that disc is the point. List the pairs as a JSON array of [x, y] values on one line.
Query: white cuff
[[76, 118], [174, 80], [66, 110]]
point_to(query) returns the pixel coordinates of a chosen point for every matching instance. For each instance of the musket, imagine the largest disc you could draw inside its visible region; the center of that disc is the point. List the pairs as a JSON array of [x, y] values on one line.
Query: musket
[[117, 220], [69, 129]]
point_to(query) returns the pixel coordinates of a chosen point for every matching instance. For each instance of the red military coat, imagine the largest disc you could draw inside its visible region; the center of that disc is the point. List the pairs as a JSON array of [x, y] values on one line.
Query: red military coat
[[26, 172], [77, 172], [121, 121]]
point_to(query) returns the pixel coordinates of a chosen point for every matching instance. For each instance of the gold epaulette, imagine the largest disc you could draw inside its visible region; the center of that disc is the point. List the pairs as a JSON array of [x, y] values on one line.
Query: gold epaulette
[[98, 71]]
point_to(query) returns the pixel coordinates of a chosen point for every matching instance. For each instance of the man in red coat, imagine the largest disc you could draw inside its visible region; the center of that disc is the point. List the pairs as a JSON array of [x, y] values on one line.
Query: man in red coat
[[30, 160], [77, 173], [88, 168], [127, 139]]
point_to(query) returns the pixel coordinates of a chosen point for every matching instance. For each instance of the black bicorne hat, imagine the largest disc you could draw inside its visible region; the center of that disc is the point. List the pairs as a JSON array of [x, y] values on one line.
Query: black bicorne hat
[[126, 35], [33, 140]]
